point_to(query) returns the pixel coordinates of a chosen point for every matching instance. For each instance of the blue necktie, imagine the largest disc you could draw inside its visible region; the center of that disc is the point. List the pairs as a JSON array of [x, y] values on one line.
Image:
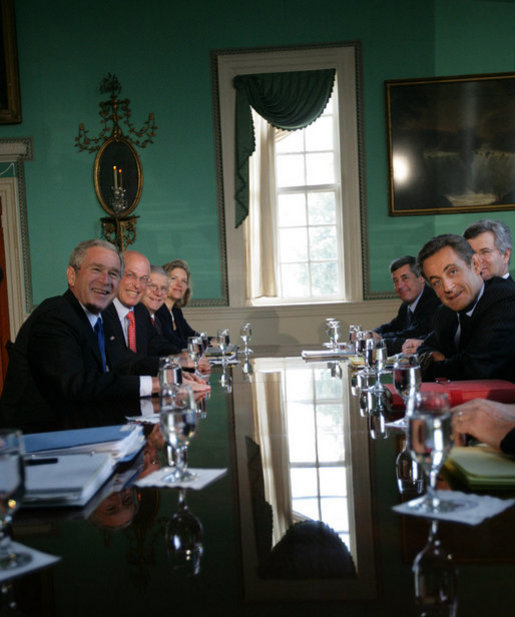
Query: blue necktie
[[101, 341]]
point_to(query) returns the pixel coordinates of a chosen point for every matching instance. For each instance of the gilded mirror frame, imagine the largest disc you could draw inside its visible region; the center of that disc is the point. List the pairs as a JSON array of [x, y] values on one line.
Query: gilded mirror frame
[[114, 156]]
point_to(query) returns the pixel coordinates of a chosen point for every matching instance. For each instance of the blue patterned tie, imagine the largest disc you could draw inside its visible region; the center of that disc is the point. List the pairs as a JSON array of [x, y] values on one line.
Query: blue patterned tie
[[101, 341]]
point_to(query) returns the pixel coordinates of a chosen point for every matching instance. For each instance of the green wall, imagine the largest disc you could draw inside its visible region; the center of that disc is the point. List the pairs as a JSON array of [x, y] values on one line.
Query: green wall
[[160, 52]]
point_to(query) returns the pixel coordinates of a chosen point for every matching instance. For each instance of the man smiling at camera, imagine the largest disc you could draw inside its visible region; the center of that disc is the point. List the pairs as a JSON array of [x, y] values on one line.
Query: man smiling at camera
[[474, 334], [414, 319]]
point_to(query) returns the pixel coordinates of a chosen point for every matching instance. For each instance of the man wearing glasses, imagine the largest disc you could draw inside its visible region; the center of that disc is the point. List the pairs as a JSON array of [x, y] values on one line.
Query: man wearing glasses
[[491, 240]]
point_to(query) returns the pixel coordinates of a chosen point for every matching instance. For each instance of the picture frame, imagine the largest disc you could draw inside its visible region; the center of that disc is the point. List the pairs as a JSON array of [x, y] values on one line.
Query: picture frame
[[10, 103], [451, 144]]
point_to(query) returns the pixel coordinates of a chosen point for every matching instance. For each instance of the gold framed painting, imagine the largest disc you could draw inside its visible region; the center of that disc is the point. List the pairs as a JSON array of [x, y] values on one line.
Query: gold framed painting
[[10, 105], [451, 144]]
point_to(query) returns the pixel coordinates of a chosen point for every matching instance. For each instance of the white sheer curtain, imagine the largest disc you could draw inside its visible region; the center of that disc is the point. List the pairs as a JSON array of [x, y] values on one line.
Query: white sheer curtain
[[260, 225]]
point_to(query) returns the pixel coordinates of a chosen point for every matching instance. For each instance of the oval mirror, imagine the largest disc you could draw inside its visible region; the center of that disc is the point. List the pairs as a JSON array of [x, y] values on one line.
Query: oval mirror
[[118, 177]]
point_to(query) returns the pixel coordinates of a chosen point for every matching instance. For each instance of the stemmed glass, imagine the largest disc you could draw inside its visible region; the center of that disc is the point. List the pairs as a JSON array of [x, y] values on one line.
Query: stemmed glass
[[194, 350], [178, 419], [353, 333], [246, 336], [12, 488], [435, 578], [333, 331], [429, 443], [407, 379], [410, 477], [223, 342], [183, 539], [170, 372]]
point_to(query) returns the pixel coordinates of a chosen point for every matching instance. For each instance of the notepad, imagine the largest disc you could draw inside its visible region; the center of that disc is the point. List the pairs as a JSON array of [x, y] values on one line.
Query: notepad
[[67, 480], [482, 467], [121, 441]]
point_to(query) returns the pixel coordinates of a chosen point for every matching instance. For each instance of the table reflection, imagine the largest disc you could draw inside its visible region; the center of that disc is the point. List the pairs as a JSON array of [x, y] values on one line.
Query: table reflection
[[303, 479]]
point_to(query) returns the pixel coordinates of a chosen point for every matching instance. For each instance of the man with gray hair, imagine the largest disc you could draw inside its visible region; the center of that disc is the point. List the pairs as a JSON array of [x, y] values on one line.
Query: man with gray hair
[[491, 240], [474, 333], [414, 319]]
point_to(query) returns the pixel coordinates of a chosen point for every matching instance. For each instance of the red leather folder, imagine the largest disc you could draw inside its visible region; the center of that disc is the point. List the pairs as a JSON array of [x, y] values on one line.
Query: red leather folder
[[463, 391]]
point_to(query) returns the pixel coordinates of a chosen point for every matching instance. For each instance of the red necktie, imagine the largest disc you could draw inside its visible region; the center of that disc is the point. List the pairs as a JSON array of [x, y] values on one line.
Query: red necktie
[[131, 331]]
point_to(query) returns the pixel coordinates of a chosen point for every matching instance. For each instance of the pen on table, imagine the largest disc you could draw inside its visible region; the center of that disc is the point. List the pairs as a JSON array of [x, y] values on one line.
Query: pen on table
[[40, 461]]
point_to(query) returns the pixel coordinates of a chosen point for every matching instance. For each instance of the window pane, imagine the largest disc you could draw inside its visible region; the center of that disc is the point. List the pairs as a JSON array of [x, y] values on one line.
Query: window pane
[[300, 442], [324, 281], [293, 243], [295, 280], [327, 388], [299, 385], [291, 209], [321, 207], [320, 168], [303, 482], [335, 513], [290, 170], [293, 141], [307, 508], [333, 481], [322, 242], [319, 136]]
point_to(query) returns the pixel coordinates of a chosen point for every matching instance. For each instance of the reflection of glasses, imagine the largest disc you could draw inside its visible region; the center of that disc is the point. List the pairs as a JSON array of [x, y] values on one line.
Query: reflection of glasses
[[142, 280], [156, 289]]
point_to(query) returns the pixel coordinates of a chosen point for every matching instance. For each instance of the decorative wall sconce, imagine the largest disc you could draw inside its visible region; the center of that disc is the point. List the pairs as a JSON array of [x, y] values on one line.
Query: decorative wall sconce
[[117, 171]]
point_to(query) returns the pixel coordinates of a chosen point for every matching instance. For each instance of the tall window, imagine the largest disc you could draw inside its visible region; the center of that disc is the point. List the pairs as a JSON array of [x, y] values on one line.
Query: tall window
[[305, 246], [305, 236]]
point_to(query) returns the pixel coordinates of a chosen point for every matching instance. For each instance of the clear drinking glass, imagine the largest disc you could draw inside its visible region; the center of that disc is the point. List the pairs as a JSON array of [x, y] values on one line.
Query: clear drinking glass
[[429, 443], [170, 372], [194, 350], [435, 578], [353, 333], [246, 337], [12, 488], [223, 343], [184, 539], [407, 379], [178, 420]]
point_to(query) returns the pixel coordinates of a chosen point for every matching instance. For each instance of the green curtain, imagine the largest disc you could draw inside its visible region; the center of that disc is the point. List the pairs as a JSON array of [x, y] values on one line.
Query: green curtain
[[288, 101]]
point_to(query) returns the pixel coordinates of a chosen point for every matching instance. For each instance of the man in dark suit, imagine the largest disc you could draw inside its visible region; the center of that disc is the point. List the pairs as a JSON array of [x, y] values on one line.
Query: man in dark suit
[[491, 240], [60, 358], [127, 320], [414, 320], [154, 298], [474, 335]]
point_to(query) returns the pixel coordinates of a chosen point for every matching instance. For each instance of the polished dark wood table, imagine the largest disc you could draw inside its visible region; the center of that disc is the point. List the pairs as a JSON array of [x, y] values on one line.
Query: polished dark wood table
[[296, 449]]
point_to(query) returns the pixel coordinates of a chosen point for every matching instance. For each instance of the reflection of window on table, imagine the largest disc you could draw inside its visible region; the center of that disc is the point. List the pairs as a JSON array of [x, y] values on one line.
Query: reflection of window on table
[[317, 457]]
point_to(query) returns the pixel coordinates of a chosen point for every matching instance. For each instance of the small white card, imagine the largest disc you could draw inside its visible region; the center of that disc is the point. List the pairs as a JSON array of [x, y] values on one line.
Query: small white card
[[475, 508], [38, 560], [203, 478]]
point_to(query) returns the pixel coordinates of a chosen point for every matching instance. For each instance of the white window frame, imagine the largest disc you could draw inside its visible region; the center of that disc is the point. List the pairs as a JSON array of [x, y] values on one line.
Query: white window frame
[[343, 59]]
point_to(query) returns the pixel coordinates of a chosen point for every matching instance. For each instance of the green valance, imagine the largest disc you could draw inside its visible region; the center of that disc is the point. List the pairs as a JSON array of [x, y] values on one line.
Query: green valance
[[289, 101]]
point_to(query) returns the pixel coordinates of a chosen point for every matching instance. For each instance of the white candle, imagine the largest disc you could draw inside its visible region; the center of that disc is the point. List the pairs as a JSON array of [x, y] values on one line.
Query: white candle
[[121, 179], [115, 174]]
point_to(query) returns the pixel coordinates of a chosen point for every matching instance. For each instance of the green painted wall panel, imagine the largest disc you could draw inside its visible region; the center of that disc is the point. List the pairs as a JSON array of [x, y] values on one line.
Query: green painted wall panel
[[160, 53]]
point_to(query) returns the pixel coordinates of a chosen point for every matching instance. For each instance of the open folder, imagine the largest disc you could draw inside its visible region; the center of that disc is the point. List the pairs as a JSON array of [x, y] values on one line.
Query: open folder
[[481, 467], [66, 480]]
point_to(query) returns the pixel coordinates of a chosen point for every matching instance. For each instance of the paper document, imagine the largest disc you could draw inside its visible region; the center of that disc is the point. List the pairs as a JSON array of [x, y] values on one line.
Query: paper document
[[69, 479]]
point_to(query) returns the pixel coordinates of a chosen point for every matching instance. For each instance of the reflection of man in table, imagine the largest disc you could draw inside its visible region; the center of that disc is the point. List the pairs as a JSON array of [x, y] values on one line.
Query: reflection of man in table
[[414, 320], [474, 335], [491, 240], [60, 357]]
